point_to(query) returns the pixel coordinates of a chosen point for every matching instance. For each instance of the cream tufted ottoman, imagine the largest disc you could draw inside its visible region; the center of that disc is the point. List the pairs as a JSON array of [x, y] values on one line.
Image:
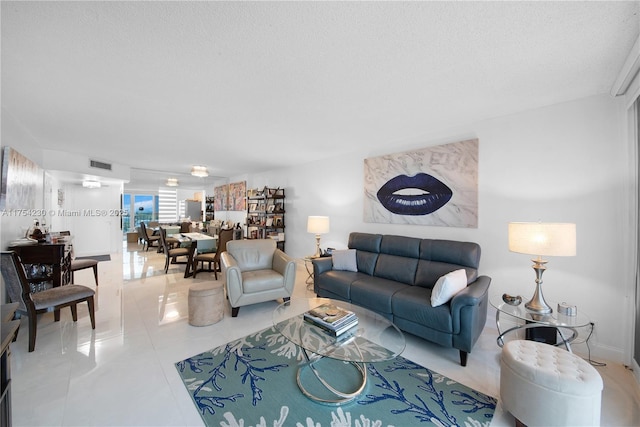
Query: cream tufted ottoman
[[543, 385], [206, 303]]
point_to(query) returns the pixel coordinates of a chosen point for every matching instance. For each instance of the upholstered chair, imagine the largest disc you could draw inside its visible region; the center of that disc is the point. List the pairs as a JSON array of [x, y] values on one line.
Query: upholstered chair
[[213, 258], [256, 271], [172, 254], [33, 303], [148, 238]]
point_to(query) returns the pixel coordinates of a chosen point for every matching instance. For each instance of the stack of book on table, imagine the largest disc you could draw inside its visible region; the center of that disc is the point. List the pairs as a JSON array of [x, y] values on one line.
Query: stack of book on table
[[331, 318]]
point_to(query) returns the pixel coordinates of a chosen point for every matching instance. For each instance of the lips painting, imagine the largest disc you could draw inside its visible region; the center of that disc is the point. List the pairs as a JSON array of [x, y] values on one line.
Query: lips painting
[[420, 194]]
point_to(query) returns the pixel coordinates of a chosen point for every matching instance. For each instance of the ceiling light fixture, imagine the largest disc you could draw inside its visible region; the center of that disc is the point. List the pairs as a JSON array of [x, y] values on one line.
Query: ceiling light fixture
[[91, 184], [200, 171], [172, 182]]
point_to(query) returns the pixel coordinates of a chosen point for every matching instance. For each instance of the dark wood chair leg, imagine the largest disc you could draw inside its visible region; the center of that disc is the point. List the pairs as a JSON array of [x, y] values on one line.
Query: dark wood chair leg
[[33, 325], [234, 311], [92, 314], [74, 312], [95, 273]]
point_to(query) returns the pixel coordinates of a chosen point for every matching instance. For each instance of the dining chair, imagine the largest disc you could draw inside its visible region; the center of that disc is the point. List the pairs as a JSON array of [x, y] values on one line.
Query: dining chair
[[171, 254], [34, 303], [81, 264], [213, 257], [148, 239]]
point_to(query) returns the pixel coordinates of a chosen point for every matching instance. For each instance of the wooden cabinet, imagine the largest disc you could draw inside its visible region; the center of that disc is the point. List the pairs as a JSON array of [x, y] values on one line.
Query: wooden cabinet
[[266, 214], [46, 265]]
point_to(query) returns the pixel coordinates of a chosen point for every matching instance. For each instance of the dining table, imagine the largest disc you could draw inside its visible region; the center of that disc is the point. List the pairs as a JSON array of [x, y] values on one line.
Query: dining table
[[204, 243]]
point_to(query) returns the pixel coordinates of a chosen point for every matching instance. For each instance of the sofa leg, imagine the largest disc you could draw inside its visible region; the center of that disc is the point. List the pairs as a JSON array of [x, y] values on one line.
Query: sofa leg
[[463, 358], [286, 299], [234, 311]]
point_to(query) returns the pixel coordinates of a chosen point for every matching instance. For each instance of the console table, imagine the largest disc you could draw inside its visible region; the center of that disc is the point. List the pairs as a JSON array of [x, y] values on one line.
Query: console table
[[46, 265]]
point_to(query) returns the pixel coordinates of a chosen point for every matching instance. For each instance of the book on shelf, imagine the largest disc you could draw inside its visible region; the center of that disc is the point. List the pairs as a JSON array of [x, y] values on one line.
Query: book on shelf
[[331, 318]]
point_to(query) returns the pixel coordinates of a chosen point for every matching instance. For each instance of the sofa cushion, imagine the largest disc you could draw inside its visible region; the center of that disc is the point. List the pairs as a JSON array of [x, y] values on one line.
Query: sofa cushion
[[447, 286], [337, 283], [466, 254], [413, 303], [428, 272], [365, 242], [344, 260], [375, 293], [408, 247], [398, 268], [368, 247]]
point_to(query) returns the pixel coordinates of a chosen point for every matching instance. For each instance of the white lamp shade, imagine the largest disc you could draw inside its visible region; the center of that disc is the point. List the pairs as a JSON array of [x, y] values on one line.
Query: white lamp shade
[[542, 239], [318, 224]]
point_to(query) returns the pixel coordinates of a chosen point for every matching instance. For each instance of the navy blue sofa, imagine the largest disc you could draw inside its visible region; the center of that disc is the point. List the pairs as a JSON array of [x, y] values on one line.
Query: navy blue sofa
[[395, 277]]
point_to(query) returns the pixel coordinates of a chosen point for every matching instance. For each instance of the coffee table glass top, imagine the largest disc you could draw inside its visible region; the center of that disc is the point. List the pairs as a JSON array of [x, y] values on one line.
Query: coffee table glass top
[[373, 339]]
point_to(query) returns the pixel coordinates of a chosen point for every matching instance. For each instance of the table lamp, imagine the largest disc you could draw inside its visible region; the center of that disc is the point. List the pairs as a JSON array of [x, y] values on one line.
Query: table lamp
[[541, 239], [318, 225]]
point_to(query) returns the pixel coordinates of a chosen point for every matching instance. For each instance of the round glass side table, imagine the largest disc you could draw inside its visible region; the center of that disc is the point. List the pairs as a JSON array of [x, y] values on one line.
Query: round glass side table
[[566, 326]]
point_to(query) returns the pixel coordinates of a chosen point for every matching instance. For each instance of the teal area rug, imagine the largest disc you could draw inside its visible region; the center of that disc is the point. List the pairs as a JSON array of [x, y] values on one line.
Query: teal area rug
[[252, 382]]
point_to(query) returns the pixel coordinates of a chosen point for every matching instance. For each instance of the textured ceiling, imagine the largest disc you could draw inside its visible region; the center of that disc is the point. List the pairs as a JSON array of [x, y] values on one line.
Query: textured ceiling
[[251, 86]]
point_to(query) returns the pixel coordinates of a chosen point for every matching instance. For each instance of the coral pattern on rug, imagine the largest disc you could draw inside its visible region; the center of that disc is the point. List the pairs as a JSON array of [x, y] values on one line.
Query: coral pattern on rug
[[252, 382]]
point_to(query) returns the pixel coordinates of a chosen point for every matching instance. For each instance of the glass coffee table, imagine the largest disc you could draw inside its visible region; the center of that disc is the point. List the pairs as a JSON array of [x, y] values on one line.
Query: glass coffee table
[[373, 339]]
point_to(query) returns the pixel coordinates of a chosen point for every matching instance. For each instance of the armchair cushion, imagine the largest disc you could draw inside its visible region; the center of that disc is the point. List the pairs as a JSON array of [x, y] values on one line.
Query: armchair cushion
[[258, 256]]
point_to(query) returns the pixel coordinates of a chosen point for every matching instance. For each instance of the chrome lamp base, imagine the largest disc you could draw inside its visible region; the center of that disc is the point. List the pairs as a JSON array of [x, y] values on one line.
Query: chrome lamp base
[[318, 252], [537, 303]]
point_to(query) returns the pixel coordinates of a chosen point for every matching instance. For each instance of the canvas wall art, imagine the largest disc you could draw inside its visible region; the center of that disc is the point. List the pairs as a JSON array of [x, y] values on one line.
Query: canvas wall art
[[21, 179], [221, 198], [238, 196], [431, 186]]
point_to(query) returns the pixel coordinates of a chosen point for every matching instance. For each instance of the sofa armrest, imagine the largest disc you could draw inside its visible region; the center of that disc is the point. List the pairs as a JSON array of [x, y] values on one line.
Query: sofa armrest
[[469, 312], [472, 295], [320, 265]]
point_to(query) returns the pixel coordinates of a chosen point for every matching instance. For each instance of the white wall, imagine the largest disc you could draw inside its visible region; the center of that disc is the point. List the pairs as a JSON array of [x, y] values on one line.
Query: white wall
[[563, 163]]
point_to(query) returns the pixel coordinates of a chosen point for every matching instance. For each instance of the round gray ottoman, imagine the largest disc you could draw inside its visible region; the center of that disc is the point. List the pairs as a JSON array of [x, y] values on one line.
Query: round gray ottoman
[[206, 303]]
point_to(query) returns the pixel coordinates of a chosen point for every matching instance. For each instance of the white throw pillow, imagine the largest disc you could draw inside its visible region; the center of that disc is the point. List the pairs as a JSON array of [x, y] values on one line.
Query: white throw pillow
[[344, 260], [447, 286]]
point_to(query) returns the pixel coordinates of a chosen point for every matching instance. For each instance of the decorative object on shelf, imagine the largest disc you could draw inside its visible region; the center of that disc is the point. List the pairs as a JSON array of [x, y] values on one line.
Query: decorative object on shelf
[[541, 239], [199, 171], [265, 214], [318, 225], [512, 300], [172, 182]]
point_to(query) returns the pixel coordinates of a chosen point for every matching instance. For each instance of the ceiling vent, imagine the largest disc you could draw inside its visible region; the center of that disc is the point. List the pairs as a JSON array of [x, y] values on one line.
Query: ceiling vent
[[100, 165]]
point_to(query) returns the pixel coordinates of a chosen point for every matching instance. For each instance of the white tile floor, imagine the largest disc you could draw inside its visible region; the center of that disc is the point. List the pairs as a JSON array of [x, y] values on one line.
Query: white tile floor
[[123, 374]]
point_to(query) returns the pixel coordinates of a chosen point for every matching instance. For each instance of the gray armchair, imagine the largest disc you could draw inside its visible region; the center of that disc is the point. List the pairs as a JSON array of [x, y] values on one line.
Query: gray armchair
[[256, 271]]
